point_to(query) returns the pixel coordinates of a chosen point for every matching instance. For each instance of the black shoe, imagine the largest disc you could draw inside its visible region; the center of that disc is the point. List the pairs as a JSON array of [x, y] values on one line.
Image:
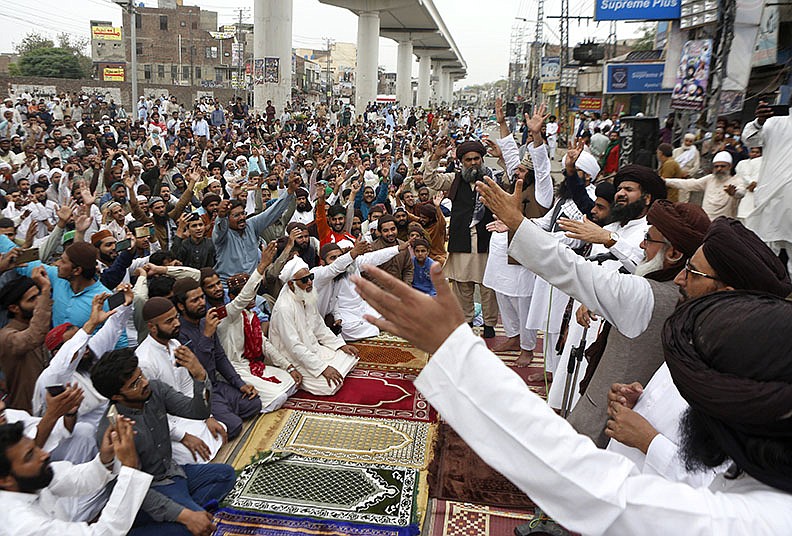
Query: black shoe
[[489, 332]]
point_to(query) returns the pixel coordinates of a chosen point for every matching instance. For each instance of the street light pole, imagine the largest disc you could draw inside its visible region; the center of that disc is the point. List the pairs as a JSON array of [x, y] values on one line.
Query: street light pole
[[133, 57]]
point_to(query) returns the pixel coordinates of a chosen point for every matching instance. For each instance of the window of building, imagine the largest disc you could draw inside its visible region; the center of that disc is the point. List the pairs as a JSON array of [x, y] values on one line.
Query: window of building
[[198, 73], [194, 25], [138, 48], [160, 71], [211, 52], [185, 72], [138, 21], [174, 72], [163, 22], [147, 72]]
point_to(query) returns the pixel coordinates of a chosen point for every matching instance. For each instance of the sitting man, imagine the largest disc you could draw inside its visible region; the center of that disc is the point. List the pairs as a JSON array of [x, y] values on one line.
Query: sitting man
[[300, 334], [232, 400], [178, 492], [157, 354]]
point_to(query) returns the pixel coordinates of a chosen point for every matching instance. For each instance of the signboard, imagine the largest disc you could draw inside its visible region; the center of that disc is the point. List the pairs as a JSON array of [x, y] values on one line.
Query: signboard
[[237, 50], [731, 102], [113, 74], [637, 9], [258, 71], [590, 104], [230, 28], [548, 87], [222, 35], [634, 78], [766, 48], [551, 69], [106, 33], [272, 70], [690, 89]]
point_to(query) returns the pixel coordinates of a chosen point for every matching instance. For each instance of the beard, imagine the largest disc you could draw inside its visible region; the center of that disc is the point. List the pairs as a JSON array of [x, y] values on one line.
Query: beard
[[24, 314], [721, 175], [652, 265], [698, 449], [626, 213], [32, 484], [107, 259], [193, 314], [304, 207], [475, 173], [168, 335], [160, 220], [308, 298]]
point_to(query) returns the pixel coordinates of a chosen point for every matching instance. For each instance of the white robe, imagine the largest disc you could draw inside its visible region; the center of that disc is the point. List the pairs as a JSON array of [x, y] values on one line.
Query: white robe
[[300, 334], [748, 172], [158, 363], [231, 333], [587, 490]]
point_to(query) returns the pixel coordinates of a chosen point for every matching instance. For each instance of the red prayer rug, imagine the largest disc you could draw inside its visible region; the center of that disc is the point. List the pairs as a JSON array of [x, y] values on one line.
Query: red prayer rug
[[451, 518], [368, 392]]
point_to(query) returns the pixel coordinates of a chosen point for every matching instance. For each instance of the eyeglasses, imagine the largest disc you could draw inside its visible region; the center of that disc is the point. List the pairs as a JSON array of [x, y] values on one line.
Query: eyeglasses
[[135, 384], [648, 238], [304, 280], [690, 270]]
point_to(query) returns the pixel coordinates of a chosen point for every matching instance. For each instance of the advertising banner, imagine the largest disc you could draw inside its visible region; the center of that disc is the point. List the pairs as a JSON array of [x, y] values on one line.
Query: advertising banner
[[113, 74], [766, 47], [222, 35], [731, 102], [551, 69], [106, 33], [590, 104], [690, 89], [637, 9], [272, 70], [258, 71], [548, 87], [634, 78]]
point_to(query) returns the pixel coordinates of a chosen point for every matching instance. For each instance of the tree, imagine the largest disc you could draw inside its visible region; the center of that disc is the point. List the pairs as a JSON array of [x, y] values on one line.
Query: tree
[[51, 63], [31, 42], [646, 40]]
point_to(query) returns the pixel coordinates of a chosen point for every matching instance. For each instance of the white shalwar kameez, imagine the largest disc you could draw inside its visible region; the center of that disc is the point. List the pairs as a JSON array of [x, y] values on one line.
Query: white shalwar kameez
[[586, 489], [231, 333], [629, 254], [157, 362], [513, 283], [300, 334]]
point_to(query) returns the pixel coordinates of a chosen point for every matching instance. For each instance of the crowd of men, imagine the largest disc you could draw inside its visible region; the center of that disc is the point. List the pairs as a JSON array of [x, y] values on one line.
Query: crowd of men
[[169, 275]]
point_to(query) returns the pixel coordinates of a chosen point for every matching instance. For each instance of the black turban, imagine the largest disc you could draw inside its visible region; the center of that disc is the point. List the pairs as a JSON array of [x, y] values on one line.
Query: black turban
[[385, 218], [13, 291], [682, 224], [730, 356], [183, 286], [155, 307], [649, 180], [328, 248], [470, 147], [742, 260], [606, 191], [82, 254]]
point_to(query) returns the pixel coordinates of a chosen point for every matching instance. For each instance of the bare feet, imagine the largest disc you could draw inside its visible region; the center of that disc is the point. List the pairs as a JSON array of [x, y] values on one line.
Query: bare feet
[[525, 359], [540, 377], [512, 344]]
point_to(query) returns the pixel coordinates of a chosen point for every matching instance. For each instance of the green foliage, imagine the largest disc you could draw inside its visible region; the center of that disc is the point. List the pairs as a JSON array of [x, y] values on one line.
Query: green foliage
[[51, 63], [31, 42], [13, 69]]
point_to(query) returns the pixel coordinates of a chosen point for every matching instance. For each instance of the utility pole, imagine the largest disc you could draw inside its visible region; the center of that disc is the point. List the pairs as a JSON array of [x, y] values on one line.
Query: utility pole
[[536, 52], [130, 5], [720, 54], [328, 78], [240, 53]]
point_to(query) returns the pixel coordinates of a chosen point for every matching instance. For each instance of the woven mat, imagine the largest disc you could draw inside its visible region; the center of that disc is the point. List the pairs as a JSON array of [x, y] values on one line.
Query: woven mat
[[328, 489], [387, 349], [457, 473], [371, 392], [238, 523], [359, 439], [450, 518]]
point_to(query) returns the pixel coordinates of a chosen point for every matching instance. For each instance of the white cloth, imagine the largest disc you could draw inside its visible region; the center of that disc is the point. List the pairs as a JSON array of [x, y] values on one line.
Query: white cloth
[[514, 314], [587, 490], [291, 268], [301, 335], [302, 217], [771, 218], [748, 172], [34, 514], [325, 283], [231, 333], [716, 201], [157, 362]]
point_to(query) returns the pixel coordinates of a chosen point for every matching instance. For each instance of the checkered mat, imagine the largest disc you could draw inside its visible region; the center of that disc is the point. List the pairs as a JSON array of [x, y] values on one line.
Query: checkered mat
[[450, 518], [328, 489]]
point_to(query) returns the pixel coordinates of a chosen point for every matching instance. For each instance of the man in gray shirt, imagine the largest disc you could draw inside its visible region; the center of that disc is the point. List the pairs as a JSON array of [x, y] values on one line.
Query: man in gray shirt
[[174, 502]]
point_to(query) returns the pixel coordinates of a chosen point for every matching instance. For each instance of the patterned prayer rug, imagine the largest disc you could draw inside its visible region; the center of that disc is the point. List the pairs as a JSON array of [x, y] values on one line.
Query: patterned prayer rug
[[388, 349], [450, 518], [328, 489], [237, 523], [457, 473], [370, 392], [359, 439]]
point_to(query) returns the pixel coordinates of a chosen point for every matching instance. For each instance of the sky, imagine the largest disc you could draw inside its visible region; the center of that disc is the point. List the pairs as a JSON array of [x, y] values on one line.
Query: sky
[[481, 30]]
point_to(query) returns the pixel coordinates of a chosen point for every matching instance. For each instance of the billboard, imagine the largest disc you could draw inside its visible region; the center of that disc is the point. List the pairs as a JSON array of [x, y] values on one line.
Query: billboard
[[551, 69], [766, 48], [272, 70], [634, 78], [637, 9], [690, 89], [106, 33], [590, 104]]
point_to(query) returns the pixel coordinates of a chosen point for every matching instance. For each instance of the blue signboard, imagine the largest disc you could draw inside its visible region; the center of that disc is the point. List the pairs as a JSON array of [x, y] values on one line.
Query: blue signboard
[[635, 78], [637, 9]]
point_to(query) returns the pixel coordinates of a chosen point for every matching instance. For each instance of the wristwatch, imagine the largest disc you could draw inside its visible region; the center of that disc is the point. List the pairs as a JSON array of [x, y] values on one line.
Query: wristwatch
[[613, 238]]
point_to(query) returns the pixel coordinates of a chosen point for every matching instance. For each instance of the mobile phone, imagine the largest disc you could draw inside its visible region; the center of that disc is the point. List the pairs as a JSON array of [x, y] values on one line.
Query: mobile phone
[[123, 244], [221, 312], [780, 109], [55, 390], [28, 255], [115, 300], [112, 415]]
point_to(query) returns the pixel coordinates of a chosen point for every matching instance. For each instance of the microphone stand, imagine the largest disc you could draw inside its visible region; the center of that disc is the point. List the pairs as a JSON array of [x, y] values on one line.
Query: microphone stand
[[573, 368]]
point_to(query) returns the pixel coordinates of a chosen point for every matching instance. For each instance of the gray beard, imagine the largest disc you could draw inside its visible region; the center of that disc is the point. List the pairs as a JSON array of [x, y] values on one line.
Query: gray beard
[[308, 298], [647, 267], [474, 173]]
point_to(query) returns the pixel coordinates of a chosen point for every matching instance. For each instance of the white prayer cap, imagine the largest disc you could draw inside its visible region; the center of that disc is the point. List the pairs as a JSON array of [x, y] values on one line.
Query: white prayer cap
[[141, 199], [691, 137], [53, 171], [291, 268], [722, 157], [587, 164], [137, 164], [242, 159], [4, 165], [41, 173], [212, 181]]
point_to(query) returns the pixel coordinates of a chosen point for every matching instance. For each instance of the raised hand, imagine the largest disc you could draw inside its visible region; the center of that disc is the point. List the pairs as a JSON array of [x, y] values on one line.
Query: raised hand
[[500, 117], [535, 122], [507, 207], [493, 149]]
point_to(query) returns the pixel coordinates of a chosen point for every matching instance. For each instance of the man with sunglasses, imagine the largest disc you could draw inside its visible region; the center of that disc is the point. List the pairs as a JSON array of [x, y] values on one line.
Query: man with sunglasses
[[299, 332]]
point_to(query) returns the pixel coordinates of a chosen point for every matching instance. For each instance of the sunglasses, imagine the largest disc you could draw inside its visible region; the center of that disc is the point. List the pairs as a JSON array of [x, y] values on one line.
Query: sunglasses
[[304, 280]]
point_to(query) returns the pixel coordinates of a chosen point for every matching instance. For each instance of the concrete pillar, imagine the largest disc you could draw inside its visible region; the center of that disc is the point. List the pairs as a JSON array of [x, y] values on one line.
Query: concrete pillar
[[424, 77], [404, 65], [273, 39], [437, 82], [367, 60]]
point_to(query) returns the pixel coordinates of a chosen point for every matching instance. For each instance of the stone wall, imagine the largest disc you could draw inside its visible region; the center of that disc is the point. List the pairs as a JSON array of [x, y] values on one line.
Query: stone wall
[[47, 87]]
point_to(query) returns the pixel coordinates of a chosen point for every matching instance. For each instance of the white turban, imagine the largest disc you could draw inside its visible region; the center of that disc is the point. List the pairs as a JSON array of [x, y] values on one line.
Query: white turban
[[41, 173], [291, 268], [587, 163], [5, 165], [722, 157], [241, 158], [53, 171]]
